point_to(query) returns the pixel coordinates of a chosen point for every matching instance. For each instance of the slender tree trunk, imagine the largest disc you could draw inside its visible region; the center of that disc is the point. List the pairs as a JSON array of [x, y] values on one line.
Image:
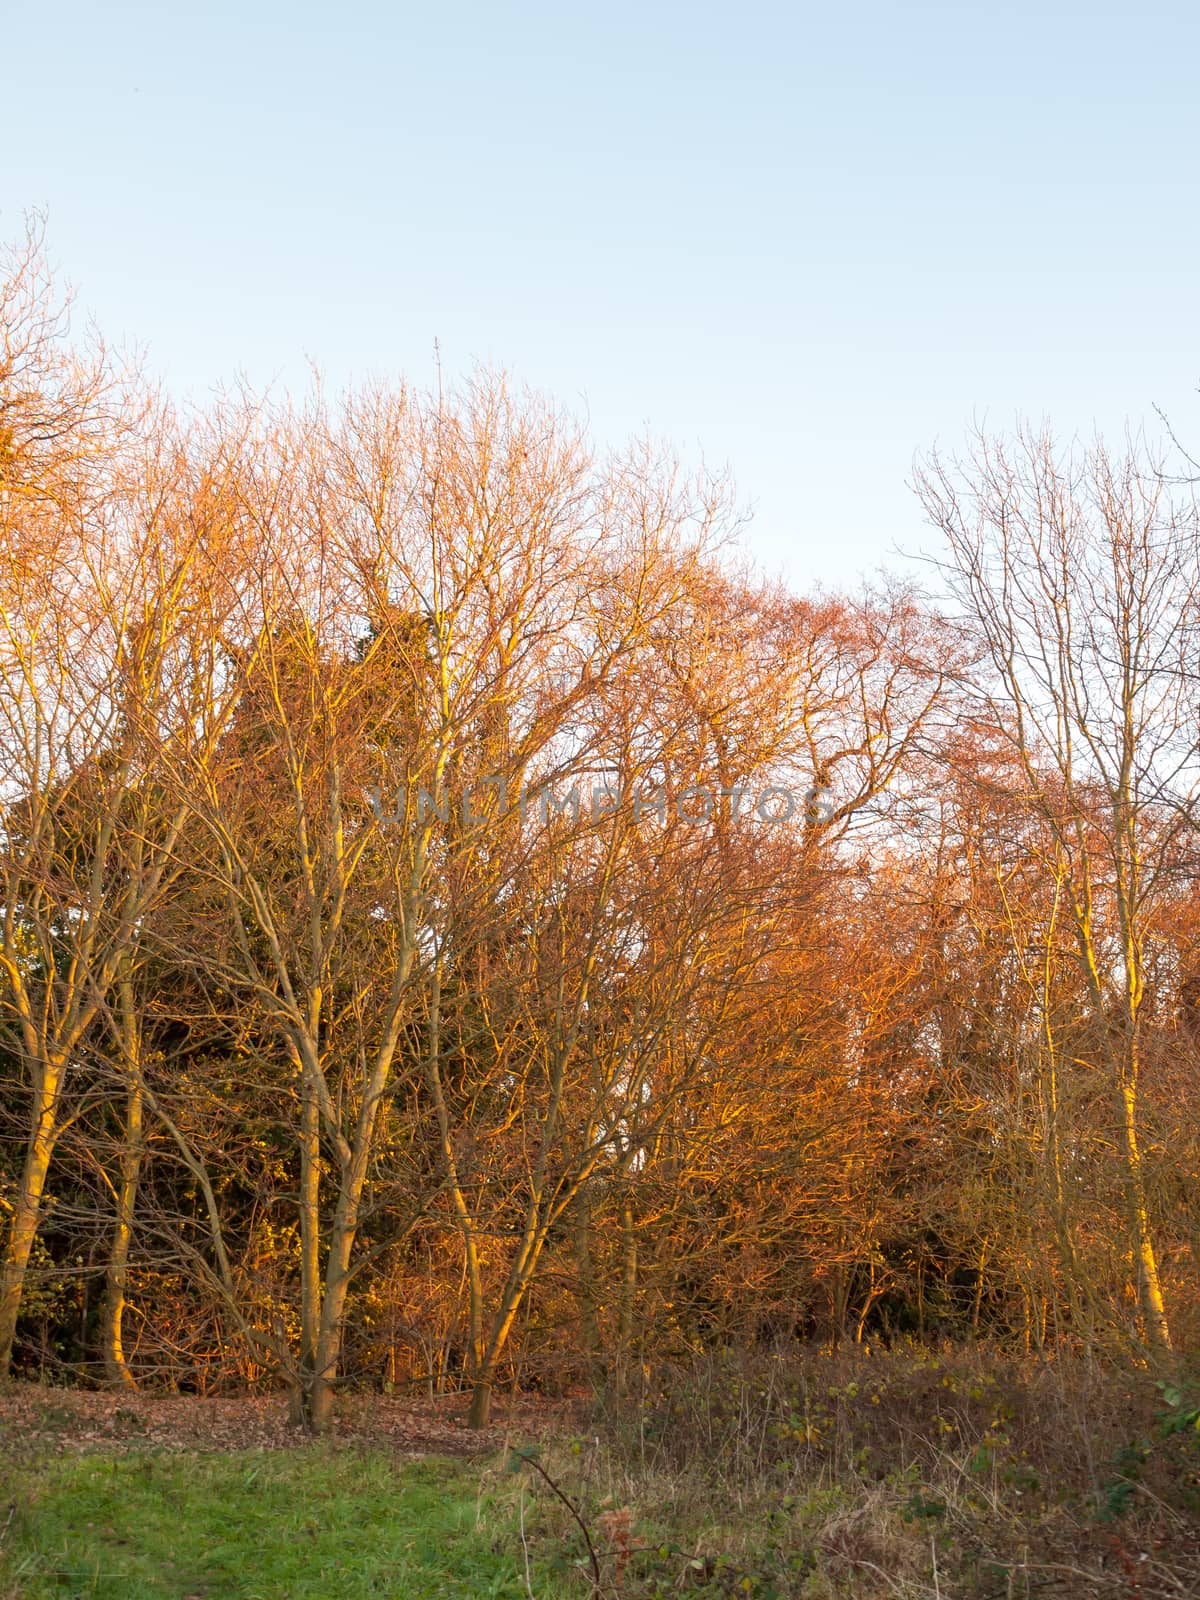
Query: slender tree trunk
[[520, 1276], [869, 1299], [1051, 1108], [628, 1297], [1060, 1215], [321, 1380], [299, 1411], [328, 1350], [117, 1274], [27, 1206], [485, 1376], [112, 1311], [1154, 1311], [480, 1401], [980, 1271], [344, 1231], [586, 1279]]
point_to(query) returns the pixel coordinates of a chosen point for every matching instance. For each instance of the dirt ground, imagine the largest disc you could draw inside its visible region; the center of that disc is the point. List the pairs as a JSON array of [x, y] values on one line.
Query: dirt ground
[[39, 1417]]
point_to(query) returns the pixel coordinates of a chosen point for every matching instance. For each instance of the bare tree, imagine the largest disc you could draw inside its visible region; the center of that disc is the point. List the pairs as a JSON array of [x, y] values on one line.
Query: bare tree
[[1079, 575]]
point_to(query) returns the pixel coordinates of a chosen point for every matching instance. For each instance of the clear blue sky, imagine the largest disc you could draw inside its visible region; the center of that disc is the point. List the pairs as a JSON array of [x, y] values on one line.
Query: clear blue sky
[[808, 239]]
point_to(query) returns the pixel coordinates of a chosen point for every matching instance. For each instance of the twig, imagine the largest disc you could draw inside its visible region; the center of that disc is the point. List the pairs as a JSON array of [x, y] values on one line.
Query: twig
[[531, 1460]]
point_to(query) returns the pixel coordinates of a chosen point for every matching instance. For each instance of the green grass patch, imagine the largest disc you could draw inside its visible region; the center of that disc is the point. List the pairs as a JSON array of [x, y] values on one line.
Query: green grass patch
[[258, 1526]]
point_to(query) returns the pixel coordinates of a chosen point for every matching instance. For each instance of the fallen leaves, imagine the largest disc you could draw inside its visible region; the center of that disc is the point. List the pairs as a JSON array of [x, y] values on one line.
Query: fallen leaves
[[33, 1417]]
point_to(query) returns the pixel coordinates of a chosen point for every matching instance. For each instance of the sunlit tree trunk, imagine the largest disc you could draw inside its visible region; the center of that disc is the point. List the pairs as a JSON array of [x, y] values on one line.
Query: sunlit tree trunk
[[27, 1204], [129, 1165]]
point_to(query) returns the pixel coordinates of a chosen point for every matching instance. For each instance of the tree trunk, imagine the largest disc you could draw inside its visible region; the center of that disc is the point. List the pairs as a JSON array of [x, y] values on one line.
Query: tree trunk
[[116, 1367], [309, 1139], [628, 1295], [1154, 1311], [585, 1292], [519, 1279], [481, 1403], [27, 1208]]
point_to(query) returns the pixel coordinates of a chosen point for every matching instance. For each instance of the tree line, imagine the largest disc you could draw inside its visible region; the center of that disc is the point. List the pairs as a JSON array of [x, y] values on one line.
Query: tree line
[[327, 1055]]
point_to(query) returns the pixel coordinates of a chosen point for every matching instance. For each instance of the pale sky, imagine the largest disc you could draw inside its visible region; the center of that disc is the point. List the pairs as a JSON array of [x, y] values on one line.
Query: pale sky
[[807, 240]]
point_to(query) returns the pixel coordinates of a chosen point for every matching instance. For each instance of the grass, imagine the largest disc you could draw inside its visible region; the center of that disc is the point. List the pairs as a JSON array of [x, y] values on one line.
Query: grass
[[303, 1525]]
